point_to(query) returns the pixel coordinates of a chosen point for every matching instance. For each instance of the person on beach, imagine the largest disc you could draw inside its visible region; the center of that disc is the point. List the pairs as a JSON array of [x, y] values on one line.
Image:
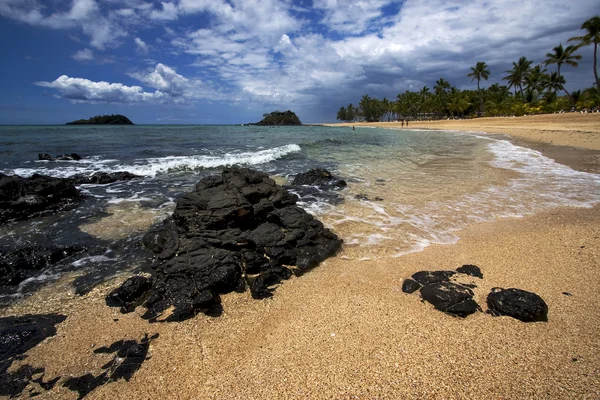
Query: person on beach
[[407, 123], [403, 123]]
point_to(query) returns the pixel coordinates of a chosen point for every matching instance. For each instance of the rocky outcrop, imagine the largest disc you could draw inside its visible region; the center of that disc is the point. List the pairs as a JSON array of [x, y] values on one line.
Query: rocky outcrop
[[103, 178], [113, 119], [280, 118], [234, 231], [62, 157], [520, 304], [20, 264], [318, 177], [22, 198]]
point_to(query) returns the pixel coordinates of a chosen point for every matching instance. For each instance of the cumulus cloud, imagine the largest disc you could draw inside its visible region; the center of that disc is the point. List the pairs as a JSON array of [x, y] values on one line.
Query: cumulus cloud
[[83, 55], [170, 88], [81, 90]]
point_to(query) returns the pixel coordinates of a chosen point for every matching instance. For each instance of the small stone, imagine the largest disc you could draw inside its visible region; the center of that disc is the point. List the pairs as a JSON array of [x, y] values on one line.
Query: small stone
[[472, 270], [520, 304]]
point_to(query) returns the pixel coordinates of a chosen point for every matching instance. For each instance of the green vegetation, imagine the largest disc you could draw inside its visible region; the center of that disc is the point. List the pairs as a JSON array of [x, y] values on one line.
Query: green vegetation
[[280, 118], [113, 119], [530, 89]]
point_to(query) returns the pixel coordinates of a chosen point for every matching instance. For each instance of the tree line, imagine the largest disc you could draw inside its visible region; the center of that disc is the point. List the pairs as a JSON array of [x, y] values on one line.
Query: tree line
[[529, 89]]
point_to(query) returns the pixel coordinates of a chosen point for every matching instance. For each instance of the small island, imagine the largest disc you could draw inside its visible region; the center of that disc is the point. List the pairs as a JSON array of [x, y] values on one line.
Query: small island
[[280, 118], [113, 119]]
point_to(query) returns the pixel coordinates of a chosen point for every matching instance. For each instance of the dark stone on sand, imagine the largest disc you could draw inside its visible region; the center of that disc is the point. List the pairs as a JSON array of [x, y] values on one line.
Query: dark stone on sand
[[472, 270], [429, 277], [21, 264], [19, 334], [450, 298], [235, 230], [103, 178], [127, 295], [62, 157], [22, 198], [129, 357], [318, 177], [410, 286], [520, 304]]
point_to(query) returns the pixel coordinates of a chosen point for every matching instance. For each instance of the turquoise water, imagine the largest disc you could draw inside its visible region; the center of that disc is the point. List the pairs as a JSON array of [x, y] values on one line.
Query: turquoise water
[[407, 189]]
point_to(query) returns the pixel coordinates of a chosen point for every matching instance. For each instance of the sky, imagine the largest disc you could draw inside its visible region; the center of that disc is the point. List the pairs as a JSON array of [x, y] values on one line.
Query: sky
[[220, 62]]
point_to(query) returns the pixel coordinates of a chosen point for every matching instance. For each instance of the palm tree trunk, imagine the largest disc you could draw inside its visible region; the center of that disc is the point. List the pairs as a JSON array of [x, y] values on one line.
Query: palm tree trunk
[[595, 65]]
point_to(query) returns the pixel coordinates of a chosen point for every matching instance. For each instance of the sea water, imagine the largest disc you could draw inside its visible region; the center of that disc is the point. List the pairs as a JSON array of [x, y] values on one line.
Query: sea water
[[407, 189]]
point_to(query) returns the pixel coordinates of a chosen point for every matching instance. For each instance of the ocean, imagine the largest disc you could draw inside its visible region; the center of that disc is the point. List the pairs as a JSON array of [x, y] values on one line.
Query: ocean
[[406, 190]]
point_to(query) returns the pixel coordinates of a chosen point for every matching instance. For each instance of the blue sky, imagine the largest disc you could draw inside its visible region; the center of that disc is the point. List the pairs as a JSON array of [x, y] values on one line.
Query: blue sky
[[217, 61]]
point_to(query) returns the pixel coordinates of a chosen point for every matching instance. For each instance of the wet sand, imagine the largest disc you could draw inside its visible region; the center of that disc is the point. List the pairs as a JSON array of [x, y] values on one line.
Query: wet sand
[[346, 331]]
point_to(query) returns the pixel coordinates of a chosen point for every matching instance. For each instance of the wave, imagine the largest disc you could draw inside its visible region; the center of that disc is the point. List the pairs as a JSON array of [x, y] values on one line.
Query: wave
[[152, 167]]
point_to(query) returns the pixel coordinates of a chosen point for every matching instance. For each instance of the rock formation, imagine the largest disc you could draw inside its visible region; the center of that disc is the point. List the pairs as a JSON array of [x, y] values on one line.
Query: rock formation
[[234, 231]]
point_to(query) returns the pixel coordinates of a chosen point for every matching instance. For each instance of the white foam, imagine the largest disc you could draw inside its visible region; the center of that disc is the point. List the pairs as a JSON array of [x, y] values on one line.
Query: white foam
[[154, 166], [92, 259], [162, 165]]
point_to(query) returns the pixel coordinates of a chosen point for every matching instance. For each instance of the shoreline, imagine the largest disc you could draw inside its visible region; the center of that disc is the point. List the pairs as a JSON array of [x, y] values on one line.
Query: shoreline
[[572, 139], [346, 330]]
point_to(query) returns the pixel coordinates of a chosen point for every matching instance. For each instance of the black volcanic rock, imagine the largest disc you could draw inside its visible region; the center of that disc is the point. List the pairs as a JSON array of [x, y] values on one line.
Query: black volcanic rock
[[450, 297], [20, 264], [114, 119], [103, 178], [234, 231], [63, 157], [280, 118], [126, 295], [469, 269], [410, 286], [520, 304], [429, 277], [318, 177], [22, 198]]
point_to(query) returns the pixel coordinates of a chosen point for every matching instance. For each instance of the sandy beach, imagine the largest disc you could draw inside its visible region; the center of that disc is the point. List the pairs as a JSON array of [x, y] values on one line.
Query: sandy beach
[[346, 330]]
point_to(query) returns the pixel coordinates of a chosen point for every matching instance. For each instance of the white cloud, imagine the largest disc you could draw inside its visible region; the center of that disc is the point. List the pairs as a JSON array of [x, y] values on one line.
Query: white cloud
[[351, 16], [84, 90], [142, 47], [169, 12], [170, 87], [83, 14], [168, 81], [83, 55]]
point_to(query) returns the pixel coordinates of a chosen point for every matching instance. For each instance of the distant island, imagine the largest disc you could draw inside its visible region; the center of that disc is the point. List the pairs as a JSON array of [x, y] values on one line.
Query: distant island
[[117, 119], [280, 118]]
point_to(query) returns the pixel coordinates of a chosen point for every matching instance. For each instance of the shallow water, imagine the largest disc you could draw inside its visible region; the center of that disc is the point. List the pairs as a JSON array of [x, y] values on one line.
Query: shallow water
[[414, 188]]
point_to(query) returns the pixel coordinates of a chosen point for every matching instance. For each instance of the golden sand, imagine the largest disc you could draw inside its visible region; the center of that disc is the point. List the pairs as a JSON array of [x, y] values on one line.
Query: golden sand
[[346, 331]]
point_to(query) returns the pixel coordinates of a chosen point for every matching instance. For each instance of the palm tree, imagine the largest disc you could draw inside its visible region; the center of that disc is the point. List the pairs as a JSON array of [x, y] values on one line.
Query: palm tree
[[592, 26], [560, 56], [518, 73], [440, 88], [555, 82], [477, 72]]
